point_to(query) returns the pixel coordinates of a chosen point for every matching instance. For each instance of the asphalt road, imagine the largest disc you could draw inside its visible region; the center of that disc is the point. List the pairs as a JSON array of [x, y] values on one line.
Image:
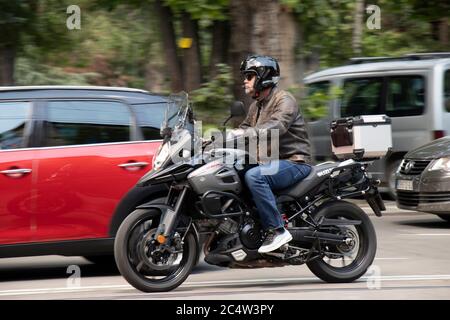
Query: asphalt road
[[412, 262]]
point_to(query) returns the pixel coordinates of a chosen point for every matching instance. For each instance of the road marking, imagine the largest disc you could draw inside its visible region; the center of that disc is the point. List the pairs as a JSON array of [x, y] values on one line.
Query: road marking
[[425, 234], [60, 290], [391, 258], [20, 292], [388, 208], [362, 279]]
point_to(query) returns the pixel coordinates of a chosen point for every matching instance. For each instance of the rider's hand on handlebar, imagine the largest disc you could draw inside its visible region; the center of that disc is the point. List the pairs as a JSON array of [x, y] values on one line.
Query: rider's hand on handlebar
[[231, 134], [206, 142]]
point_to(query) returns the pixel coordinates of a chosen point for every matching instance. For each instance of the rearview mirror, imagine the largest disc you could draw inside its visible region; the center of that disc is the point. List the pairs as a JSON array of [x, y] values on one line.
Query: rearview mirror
[[237, 109]]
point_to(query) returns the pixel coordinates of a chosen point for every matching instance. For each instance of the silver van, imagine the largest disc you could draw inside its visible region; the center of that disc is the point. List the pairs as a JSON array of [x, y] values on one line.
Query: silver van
[[414, 90]]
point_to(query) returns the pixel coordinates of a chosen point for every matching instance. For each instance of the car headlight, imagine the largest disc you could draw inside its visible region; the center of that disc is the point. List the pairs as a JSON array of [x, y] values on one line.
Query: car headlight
[[440, 164]]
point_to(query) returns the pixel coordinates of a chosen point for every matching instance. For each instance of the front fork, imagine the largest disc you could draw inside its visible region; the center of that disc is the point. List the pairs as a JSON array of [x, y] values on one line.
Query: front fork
[[169, 218]]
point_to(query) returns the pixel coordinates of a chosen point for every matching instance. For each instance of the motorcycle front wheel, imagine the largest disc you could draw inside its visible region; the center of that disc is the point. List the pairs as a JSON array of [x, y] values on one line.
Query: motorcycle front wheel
[[140, 261]]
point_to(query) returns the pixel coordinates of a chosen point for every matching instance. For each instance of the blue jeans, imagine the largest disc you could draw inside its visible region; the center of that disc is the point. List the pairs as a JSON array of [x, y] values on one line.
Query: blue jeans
[[261, 180]]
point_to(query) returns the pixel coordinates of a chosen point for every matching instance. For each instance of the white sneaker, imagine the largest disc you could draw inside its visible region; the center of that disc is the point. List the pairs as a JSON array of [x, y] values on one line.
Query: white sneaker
[[274, 240]]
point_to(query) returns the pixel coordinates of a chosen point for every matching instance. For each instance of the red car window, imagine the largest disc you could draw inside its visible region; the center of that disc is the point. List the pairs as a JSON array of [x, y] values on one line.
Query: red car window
[[13, 118], [86, 122]]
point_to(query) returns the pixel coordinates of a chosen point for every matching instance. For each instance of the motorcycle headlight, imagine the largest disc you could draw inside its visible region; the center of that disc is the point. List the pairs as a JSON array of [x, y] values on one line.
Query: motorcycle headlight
[[440, 164], [161, 156]]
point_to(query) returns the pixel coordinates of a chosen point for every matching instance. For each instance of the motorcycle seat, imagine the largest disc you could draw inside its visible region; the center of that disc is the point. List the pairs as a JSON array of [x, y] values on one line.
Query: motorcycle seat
[[317, 175]]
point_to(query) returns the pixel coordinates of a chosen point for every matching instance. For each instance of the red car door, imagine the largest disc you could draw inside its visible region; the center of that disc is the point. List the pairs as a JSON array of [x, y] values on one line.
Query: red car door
[[16, 174], [86, 166]]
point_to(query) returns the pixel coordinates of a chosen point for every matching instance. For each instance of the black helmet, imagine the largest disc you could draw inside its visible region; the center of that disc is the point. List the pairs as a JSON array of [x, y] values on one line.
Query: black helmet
[[266, 69]]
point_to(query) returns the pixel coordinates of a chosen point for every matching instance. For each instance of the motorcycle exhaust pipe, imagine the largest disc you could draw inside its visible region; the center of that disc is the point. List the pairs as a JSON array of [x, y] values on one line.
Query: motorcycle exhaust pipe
[[309, 236]]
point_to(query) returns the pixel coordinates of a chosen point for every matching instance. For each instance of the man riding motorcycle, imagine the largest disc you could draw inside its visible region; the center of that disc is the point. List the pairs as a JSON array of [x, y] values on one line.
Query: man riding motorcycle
[[273, 109], [158, 244]]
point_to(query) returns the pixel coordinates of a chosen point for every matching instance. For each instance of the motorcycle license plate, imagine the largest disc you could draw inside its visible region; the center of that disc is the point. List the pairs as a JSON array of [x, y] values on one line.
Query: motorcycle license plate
[[405, 185]]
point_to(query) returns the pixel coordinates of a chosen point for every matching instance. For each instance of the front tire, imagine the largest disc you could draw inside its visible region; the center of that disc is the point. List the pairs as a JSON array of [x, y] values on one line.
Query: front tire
[[135, 269], [364, 252]]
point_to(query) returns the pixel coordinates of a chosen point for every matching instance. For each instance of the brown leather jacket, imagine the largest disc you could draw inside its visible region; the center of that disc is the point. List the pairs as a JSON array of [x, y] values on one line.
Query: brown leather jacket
[[280, 111]]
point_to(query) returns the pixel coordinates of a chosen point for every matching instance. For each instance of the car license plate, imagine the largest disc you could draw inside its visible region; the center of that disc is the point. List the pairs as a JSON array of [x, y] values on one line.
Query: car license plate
[[405, 185]]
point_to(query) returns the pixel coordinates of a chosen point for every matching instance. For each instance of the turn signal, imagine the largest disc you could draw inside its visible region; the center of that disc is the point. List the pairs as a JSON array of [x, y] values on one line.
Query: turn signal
[[161, 239]]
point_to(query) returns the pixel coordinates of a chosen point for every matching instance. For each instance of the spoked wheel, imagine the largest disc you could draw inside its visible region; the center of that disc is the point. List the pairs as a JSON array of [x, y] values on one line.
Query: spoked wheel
[[148, 265], [344, 254], [350, 260]]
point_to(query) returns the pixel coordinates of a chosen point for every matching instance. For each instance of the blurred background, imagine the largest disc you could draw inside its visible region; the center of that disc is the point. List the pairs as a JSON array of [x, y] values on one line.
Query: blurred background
[[197, 45]]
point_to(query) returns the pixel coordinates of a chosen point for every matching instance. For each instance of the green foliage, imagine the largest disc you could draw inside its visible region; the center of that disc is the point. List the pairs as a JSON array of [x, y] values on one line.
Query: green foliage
[[315, 103], [213, 99], [316, 106], [201, 9], [15, 17], [120, 41], [112, 48], [327, 28], [404, 29], [28, 73], [40, 22]]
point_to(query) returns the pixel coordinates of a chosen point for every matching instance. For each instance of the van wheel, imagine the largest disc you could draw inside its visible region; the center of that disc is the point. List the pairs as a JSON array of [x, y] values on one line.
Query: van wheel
[[390, 177]]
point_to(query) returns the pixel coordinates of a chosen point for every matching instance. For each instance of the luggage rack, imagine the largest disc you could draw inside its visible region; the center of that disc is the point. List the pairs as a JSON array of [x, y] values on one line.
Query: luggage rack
[[406, 57]]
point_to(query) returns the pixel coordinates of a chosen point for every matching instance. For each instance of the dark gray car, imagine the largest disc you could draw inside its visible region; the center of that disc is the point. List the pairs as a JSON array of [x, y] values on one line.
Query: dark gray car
[[423, 179]]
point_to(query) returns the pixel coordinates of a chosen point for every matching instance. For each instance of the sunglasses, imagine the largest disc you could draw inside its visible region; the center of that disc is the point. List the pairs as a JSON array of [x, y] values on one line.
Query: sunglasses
[[249, 76]]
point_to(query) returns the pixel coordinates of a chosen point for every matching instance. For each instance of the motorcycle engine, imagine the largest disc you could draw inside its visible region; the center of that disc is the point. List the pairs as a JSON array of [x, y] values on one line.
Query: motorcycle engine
[[251, 234]]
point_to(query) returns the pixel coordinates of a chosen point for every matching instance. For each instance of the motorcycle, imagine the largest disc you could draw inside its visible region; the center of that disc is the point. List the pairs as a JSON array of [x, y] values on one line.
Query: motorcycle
[[158, 244]]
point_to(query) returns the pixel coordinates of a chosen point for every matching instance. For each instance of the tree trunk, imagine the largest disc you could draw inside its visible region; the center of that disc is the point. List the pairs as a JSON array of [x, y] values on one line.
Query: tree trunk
[[154, 78], [241, 25], [289, 40], [358, 27], [7, 61], [192, 67], [266, 27], [274, 34], [220, 44], [262, 27], [443, 33], [170, 49], [313, 61], [300, 61]]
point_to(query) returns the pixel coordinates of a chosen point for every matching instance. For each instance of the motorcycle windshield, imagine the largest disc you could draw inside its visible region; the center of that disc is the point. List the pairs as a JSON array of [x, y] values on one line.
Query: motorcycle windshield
[[176, 112]]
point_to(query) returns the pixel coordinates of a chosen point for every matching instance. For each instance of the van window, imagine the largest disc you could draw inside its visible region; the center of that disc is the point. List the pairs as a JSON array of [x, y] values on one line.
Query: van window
[[405, 96], [86, 122], [13, 118], [321, 87], [361, 96], [447, 90], [316, 104]]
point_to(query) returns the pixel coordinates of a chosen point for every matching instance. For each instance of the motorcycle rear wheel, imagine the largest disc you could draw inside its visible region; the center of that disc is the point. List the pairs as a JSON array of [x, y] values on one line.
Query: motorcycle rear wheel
[[365, 245]]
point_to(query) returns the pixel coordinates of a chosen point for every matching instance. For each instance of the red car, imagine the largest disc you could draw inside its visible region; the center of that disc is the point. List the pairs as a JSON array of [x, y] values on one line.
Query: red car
[[69, 158]]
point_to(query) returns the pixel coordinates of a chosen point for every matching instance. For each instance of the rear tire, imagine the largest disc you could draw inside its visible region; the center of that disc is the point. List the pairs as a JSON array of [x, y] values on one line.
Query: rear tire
[[145, 279], [367, 245]]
